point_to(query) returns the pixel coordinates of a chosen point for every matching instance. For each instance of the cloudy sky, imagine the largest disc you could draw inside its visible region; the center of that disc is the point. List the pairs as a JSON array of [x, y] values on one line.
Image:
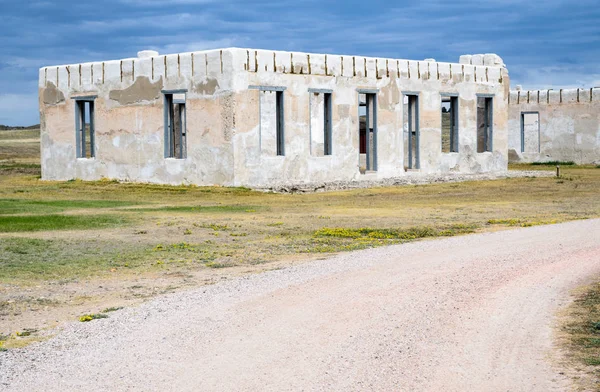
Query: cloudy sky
[[548, 43]]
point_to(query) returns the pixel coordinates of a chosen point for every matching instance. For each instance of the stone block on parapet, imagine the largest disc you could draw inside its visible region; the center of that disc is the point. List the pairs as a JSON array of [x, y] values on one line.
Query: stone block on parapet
[[492, 60], [143, 54], [554, 96], [127, 71], [317, 64], [347, 66], [403, 68], [300, 63], [185, 65], [52, 75], [569, 95], [86, 76], [112, 71], [443, 70], [477, 59], [414, 70], [465, 59], [283, 63], [97, 70], [494, 74], [42, 77], [62, 78], [584, 94]]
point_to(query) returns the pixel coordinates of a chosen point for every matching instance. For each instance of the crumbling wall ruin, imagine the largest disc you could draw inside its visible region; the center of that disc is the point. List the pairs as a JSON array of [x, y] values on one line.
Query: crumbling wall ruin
[[555, 125], [250, 117], [129, 119]]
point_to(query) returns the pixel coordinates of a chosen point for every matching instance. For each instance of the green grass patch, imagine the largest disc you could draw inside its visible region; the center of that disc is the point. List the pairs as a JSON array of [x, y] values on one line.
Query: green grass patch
[[32, 259], [14, 168], [183, 252], [394, 234], [112, 309], [592, 361], [327, 240], [588, 342], [26, 206], [509, 222], [554, 163], [26, 332], [519, 222], [214, 227], [213, 264], [201, 209], [21, 223]]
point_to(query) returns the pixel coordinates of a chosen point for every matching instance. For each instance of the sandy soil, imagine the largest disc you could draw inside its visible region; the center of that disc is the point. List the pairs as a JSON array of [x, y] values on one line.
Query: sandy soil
[[469, 313]]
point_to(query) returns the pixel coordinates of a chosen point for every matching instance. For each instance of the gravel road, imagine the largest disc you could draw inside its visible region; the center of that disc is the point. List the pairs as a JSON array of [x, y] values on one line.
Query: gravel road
[[470, 313]]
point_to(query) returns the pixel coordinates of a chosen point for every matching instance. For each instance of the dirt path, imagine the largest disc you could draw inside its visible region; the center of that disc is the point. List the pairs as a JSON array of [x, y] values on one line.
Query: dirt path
[[466, 313]]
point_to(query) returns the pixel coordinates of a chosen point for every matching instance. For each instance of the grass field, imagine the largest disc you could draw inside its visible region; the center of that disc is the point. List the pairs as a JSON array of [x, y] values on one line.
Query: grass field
[[66, 233], [581, 337]]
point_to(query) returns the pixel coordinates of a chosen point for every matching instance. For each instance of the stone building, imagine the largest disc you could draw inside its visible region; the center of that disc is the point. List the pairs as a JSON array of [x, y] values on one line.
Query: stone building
[[259, 118], [554, 125]]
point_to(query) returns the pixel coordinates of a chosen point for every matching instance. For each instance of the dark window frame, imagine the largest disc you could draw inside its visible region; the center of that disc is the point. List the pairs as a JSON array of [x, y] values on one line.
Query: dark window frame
[[488, 123], [371, 96], [454, 121], [523, 131], [327, 119], [80, 106], [413, 102], [169, 102], [279, 115]]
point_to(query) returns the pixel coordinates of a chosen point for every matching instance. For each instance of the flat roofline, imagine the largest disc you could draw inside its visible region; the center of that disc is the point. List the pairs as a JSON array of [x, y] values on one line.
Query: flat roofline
[[557, 89], [272, 51]]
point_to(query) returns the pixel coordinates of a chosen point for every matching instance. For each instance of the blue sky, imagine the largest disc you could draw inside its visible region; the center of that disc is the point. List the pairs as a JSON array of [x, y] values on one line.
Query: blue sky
[[549, 43]]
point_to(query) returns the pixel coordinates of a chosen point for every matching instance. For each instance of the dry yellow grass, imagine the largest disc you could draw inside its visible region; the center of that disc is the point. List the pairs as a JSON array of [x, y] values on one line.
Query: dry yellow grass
[[580, 337]]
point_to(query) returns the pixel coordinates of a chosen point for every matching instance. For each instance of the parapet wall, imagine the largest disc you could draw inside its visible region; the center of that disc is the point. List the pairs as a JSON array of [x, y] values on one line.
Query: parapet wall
[[567, 129], [261, 61], [174, 68]]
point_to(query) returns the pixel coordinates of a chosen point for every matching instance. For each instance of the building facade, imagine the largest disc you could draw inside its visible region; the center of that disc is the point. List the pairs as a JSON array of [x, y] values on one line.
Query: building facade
[[258, 118]]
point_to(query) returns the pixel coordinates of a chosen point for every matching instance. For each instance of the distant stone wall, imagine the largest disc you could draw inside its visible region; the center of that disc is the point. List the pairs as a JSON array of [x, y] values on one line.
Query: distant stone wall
[[554, 125]]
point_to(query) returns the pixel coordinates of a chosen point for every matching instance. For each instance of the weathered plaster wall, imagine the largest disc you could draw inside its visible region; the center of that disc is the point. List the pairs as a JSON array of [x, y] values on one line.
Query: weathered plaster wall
[[344, 75], [129, 119], [569, 125], [223, 119]]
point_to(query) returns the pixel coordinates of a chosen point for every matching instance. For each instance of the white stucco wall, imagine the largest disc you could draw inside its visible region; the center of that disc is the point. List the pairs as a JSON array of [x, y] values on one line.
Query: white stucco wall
[[569, 125]]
